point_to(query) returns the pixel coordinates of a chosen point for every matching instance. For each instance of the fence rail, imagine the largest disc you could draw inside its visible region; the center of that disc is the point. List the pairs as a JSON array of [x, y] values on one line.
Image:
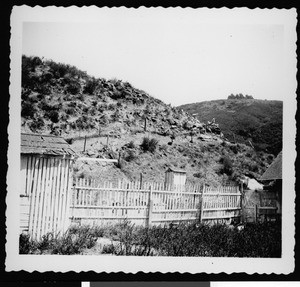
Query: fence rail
[[150, 203]]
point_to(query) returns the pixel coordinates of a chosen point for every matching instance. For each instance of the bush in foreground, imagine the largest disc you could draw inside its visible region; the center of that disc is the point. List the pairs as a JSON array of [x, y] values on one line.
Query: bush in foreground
[[254, 240], [73, 241]]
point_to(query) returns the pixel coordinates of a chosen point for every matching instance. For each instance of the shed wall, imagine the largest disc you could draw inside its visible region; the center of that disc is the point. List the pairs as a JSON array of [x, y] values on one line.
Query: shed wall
[[44, 194], [179, 178]]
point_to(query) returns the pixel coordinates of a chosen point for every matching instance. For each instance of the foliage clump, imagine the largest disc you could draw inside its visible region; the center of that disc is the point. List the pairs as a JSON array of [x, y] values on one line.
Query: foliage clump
[[73, 241], [149, 144], [130, 156], [131, 144], [227, 165]]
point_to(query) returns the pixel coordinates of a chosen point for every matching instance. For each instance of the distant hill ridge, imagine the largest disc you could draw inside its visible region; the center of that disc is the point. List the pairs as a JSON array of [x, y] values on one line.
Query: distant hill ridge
[[244, 119]]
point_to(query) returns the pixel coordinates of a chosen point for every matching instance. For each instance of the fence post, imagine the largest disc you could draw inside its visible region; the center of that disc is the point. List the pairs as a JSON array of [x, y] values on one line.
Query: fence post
[[145, 124], [255, 218], [241, 202], [150, 207], [84, 143], [141, 180], [202, 203], [73, 198]]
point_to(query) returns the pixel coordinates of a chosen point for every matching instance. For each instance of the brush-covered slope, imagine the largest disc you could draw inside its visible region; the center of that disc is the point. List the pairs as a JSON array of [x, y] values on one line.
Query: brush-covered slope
[[110, 119], [244, 120]]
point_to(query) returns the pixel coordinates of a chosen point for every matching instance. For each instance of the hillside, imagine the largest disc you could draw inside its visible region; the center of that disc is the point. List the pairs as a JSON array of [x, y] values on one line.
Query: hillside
[[110, 119], [244, 120]]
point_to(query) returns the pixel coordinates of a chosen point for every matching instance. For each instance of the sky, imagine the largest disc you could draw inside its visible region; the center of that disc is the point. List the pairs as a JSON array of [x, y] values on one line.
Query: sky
[[180, 56]]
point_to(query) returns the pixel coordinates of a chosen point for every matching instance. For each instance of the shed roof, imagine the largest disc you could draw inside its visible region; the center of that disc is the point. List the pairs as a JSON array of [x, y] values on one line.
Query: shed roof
[[45, 144], [274, 171], [171, 169]]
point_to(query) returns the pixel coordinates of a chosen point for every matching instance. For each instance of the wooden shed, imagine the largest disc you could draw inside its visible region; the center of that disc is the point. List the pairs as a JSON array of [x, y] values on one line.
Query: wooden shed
[[46, 174], [272, 178], [175, 178]]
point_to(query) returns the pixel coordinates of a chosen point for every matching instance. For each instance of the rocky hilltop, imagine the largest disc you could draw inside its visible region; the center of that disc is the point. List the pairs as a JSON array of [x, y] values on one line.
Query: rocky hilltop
[[103, 118]]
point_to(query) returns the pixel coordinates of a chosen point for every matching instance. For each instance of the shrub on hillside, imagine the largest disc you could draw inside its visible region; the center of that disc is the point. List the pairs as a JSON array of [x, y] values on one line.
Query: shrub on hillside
[[131, 144], [103, 120], [234, 148], [73, 88], [116, 115], [111, 107], [227, 165], [28, 110], [70, 111], [92, 111], [72, 104], [69, 140], [37, 124], [90, 86], [250, 165], [130, 156], [149, 144], [85, 122], [25, 94], [85, 109], [101, 108], [53, 116]]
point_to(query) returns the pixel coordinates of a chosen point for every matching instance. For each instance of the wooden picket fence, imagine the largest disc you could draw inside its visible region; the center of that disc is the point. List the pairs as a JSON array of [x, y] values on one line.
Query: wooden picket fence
[[146, 203], [221, 204]]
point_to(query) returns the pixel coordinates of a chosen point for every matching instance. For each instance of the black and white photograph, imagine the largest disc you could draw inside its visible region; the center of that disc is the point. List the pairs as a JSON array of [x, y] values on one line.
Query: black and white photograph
[[152, 139]]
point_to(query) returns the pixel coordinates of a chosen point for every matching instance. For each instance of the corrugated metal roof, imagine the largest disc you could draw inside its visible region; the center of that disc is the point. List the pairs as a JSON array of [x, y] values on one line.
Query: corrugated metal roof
[[176, 170], [45, 144], [274, 171]]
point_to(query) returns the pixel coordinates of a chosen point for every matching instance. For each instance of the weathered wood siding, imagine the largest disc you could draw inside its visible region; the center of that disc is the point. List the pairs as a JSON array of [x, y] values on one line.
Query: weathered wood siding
[[44, 194]]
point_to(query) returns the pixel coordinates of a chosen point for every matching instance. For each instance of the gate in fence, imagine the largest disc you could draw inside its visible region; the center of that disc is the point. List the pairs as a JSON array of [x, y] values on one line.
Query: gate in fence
[[151, 203]]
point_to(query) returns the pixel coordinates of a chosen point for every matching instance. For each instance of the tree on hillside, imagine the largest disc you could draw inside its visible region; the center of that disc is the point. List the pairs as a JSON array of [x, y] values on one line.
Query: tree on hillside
[[239, 96], [91, 86]]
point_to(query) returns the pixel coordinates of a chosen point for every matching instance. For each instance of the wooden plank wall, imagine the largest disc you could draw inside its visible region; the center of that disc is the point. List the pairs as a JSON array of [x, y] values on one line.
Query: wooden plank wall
[[45, 190]]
